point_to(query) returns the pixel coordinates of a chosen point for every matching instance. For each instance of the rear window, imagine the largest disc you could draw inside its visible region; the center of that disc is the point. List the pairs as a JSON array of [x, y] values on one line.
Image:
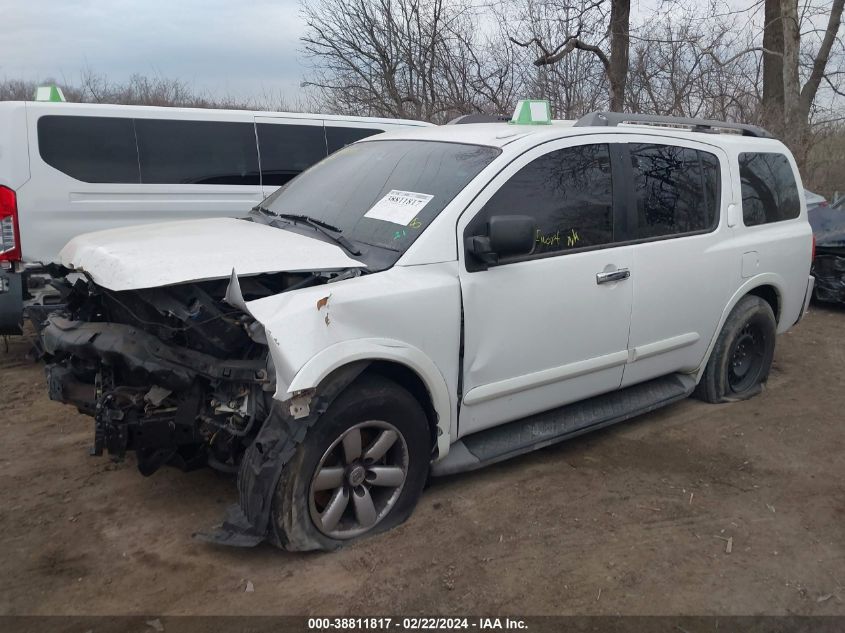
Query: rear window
[[676, 189], [90, 149], [197, 152], [769, 191], [338, 137], [288, 150]]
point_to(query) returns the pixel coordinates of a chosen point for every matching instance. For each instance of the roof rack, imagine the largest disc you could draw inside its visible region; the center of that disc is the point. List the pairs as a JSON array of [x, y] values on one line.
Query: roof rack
[[709, 126], [478, 117]]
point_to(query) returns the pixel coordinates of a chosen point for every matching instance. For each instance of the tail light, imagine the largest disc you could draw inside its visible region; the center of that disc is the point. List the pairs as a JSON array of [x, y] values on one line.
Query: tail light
[[814, 249], [10, 237]]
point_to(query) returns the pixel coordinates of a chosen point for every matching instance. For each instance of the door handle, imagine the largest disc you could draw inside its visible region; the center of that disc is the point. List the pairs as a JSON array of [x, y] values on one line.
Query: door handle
[[613, 275]]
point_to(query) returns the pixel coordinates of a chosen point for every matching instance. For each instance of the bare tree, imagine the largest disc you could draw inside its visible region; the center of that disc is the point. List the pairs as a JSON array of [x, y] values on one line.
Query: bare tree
[[585, 26], [420, 59]]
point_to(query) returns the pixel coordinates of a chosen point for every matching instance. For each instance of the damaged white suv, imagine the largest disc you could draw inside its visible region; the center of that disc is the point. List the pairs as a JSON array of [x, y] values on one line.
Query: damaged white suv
[[431, 301]]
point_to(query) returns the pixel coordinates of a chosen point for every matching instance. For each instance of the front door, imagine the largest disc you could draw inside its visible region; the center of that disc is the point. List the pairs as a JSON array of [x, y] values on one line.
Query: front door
[[550, 328]]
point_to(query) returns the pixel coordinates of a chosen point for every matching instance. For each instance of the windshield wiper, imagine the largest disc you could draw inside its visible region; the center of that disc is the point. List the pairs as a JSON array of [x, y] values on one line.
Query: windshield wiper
[[263, 210], [332, 232]]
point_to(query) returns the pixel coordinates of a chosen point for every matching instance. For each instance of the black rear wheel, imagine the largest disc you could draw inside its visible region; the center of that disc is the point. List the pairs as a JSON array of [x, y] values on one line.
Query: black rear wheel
[[742, 357]]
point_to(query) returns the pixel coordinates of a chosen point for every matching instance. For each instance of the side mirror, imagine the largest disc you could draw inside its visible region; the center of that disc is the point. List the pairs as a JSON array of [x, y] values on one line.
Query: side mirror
[[507, 236]]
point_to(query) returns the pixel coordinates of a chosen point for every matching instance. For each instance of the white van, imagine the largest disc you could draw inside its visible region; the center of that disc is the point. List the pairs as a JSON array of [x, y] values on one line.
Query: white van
[[70, 168]]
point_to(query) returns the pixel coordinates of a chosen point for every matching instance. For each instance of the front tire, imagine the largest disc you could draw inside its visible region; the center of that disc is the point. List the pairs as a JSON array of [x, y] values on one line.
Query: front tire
[[742, 357], [359, 471]]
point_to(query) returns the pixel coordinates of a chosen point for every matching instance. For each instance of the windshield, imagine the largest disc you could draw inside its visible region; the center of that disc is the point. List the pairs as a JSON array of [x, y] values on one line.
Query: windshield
[[382, 193]]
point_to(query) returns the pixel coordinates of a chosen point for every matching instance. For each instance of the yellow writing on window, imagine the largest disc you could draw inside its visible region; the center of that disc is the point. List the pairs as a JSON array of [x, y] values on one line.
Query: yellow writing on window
[[552, 239]]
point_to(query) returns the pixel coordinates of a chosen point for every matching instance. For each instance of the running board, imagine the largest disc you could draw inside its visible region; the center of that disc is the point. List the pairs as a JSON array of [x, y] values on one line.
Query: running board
[[543, 429]]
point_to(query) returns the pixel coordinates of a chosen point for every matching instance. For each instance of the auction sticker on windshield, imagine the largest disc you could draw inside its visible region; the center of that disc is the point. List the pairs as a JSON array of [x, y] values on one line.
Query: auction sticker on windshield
[[399, 207]]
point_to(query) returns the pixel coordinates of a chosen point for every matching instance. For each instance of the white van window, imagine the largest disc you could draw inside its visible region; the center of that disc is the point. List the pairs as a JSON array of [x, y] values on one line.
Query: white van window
[[769, 192], [90, 149], [338, 137], [288, 150], [197, 152]]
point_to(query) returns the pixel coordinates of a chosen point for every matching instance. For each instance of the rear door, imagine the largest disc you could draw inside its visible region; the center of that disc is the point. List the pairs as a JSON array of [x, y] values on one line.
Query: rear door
[[550, 328], [684, 258]]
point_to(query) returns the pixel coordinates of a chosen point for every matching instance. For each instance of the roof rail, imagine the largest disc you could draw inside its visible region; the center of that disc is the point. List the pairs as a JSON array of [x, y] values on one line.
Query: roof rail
[[613, 119], [478, 117]]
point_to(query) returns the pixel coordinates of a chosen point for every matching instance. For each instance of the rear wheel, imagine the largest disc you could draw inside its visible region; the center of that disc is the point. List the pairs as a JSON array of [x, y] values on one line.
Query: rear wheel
[[359, 471], [742, 357]]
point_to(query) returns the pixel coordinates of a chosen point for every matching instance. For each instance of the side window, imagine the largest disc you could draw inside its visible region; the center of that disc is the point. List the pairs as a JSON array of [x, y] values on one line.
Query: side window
[[769, 192], [288, 150], [676, 190], [569, 192], [338, 137], [90, 149], [197, 152]]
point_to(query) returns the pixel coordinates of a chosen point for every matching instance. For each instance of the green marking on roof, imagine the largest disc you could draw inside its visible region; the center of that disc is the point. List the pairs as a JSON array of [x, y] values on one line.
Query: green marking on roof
[[532, 112], [49, 93]]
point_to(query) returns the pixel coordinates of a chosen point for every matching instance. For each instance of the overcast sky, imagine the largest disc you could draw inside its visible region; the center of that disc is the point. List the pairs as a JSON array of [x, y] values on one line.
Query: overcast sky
[[244, 48], [238, 48]]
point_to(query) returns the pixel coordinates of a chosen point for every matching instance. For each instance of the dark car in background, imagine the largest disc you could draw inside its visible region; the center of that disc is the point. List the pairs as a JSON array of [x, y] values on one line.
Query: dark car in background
[[828, 222]]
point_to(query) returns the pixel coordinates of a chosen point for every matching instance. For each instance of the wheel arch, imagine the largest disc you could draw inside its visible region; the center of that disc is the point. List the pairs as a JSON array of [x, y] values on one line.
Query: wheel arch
[[767, 286], [404, 364]]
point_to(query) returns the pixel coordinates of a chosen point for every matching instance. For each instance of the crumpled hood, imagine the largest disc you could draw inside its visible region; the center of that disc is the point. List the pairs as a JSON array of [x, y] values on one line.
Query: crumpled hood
[[152, 255]]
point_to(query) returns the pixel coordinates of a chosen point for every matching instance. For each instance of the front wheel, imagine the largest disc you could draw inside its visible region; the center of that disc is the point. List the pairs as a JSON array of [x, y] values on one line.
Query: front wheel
[[742, 357], [359, 471]]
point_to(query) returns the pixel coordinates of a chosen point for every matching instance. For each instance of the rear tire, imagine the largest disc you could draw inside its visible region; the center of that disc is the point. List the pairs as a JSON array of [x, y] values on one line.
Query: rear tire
[[742, 357], [359, 471]]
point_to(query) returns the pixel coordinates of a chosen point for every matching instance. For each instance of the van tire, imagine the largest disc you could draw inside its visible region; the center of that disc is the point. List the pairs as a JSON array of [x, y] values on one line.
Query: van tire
[[742, 357], [369, 400]]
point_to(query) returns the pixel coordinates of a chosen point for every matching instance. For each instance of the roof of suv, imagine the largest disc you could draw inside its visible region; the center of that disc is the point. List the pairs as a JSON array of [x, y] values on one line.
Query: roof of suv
[[502, 133]]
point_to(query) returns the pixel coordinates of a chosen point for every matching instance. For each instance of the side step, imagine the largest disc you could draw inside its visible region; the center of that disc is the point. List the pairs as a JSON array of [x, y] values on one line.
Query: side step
[[543, 429]]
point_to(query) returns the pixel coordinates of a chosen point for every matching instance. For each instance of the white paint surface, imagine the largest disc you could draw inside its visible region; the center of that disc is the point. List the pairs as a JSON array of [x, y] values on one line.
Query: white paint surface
[[154, 255]]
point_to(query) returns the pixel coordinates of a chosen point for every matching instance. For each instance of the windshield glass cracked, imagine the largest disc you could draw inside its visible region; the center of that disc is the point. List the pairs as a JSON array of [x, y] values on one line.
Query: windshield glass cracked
[[356, 189]]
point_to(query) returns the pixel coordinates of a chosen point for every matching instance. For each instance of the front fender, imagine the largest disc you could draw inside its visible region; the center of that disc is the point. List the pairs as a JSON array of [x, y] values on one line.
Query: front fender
[[341, 354]]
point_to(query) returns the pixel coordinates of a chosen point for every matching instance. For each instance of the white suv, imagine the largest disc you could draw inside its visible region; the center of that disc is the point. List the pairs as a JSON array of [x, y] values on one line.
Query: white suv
[[432, 301]]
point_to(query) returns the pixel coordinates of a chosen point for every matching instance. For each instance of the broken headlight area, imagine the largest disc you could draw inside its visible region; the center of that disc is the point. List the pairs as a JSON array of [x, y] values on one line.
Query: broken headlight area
[[174, 374], [829, 271]]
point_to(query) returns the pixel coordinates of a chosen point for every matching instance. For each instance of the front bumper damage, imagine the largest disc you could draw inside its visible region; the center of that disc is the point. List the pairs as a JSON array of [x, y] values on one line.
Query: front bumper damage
[[184, 376], [157, 417]]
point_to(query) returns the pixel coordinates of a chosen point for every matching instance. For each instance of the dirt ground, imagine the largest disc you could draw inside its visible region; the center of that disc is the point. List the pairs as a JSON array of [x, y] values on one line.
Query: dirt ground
[[636, 519]]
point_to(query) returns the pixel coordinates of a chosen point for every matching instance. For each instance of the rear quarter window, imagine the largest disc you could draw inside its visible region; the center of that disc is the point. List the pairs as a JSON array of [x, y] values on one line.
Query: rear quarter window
[[90, 149], [769, 191]]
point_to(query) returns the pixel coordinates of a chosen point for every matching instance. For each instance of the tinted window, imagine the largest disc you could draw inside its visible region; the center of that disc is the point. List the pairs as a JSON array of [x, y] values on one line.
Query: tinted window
[[676, 189], [568, 192], [769, 192], [342, 189], [197, 152], [287, 150], [337, 137], [91, 149]]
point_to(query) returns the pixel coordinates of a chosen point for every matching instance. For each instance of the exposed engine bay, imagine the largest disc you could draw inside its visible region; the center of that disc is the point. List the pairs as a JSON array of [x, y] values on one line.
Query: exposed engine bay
[[174, 373]]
